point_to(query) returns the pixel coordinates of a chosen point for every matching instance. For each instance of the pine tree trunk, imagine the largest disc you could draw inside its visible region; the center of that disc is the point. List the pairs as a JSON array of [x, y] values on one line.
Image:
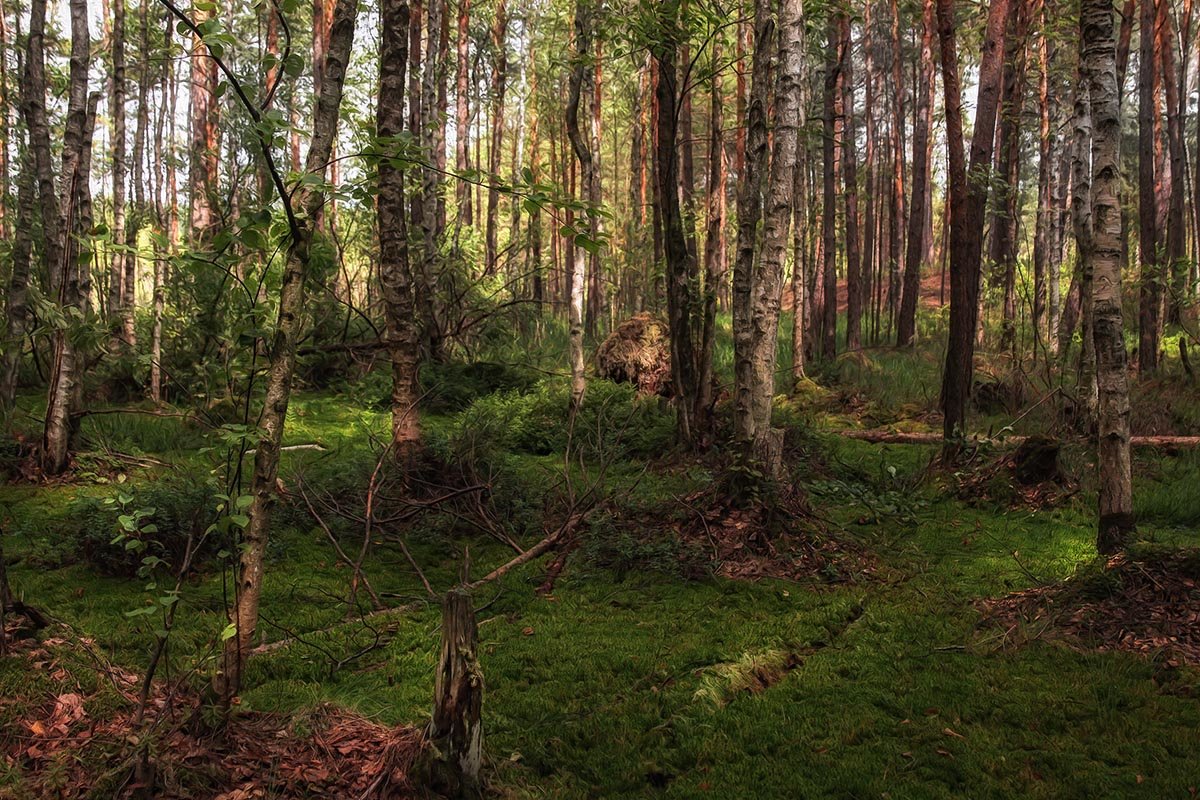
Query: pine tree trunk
[[499, 82], [906, 324], [16, 306], [968, 195], [1006, 209], [1041, 236], [1175, 272], [681, 268], [831, 147], [896, 218], [1150, 293], [849, 142], [462, 113], [714, 240]]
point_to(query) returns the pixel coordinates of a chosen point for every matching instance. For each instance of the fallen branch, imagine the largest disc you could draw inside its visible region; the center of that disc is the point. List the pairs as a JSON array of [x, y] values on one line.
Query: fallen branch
[[571, 524], [892, 437]]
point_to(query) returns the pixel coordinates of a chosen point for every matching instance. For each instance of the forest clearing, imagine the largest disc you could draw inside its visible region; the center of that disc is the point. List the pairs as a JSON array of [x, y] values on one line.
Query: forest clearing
[[531, 399]]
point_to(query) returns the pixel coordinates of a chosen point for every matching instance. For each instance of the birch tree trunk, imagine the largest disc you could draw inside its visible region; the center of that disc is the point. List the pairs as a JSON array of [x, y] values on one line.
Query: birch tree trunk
[[1098, 58], [767, 280], [70, 277]]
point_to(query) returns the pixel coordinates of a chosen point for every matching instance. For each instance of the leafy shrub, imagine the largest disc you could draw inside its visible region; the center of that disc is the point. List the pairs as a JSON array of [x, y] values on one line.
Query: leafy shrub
[[172, 511], [613, 421], [453, 386], [620, 551]]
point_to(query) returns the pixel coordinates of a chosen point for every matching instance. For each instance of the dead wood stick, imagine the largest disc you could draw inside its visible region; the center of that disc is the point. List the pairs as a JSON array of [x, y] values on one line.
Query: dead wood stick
[[544, 546]]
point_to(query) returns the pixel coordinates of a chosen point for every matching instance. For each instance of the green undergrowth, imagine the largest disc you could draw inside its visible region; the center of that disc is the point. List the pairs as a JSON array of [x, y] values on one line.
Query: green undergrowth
[[631, 678]]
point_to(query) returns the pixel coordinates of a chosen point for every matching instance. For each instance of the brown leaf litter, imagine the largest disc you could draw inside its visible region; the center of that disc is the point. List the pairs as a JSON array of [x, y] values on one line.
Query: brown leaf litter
[[64, 750], [1147, 605]]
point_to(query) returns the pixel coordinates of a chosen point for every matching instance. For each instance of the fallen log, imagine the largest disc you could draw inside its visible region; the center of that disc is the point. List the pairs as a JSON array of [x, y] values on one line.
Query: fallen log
[[894, 437]]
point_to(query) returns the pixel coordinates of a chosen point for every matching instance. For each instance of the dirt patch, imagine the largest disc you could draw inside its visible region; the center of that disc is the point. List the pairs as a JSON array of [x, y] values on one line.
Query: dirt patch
[[1146, 605], [75, 744]]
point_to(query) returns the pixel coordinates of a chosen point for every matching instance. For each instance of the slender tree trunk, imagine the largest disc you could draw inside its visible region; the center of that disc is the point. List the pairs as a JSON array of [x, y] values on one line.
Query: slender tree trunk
[[307, 199], [899, 145], [968, 195], [16, 306], [1098, 58], [750, 211], [431, 180], [397, 284], [499, 82], [580, 94], [854, 292], [116, 274], [69, 277], [1041, 237], [172, 230], [1148, 232], [205, 145], [1082, 220], [681, 268], [462, 113], [831, 147], [1175, 268], [1004, 220], [906, 324], [714, 241]]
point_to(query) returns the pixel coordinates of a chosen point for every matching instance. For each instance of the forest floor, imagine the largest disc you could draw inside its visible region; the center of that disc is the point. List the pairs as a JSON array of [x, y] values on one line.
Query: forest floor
[[936, 634]]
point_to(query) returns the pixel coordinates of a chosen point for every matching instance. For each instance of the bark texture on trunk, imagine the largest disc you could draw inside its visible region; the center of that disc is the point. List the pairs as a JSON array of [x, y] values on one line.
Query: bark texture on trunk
[[830, 150], [906, 324], [750, 209], [396, 279], [70, 277], [580, 96], [681, 266], [754, 355], [1150, 292], [968, 197], [1098, 59]]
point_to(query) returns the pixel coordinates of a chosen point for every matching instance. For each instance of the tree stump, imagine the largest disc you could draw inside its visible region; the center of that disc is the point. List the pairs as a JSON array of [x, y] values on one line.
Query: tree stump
[[1036, 461], [456, 731]]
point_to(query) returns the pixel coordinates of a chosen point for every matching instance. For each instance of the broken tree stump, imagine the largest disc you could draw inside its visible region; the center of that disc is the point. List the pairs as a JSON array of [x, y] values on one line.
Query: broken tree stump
[[455, 733]]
